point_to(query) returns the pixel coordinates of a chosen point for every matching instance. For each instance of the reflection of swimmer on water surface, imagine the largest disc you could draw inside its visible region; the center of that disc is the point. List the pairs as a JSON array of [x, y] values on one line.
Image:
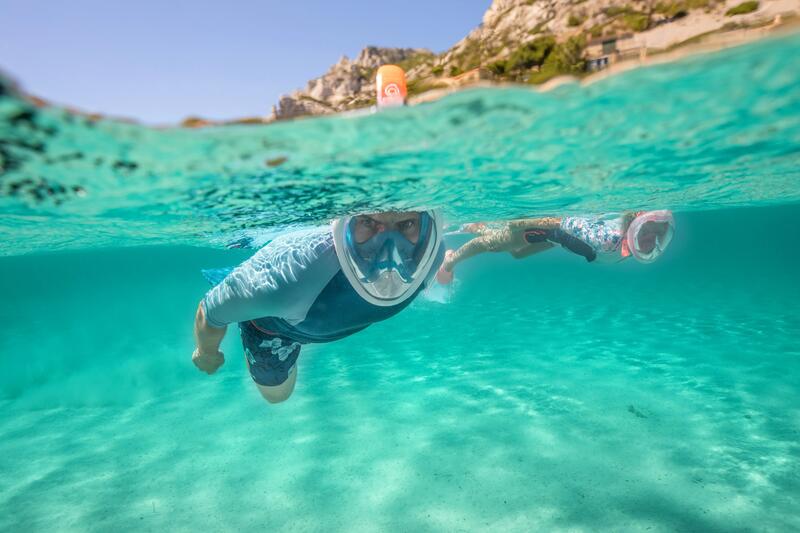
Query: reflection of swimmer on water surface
[[316, 286], [605, 238]]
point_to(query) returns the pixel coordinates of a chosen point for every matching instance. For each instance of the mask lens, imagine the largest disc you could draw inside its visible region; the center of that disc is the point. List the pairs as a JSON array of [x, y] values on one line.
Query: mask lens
[[363, 228]]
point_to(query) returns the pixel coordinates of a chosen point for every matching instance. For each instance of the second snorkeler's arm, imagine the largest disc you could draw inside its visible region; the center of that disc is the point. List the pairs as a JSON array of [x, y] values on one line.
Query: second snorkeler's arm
[[207, 356], [492, 242]]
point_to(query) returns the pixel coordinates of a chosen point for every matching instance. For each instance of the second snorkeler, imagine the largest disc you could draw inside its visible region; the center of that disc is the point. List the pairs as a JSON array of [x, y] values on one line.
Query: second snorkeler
[[613, 237]]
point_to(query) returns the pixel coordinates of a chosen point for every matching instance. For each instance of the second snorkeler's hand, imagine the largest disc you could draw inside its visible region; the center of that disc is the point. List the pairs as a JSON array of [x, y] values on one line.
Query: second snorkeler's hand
[[445, 274], [208, 362]]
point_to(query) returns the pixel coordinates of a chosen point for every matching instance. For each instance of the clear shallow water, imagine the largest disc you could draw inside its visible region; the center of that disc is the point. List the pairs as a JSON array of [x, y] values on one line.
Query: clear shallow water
[[543, 394]]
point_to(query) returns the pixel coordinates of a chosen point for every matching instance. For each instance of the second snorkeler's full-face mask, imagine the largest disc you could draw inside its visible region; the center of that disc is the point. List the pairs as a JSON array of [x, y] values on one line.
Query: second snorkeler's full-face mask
[[649, 234], [387, 256]]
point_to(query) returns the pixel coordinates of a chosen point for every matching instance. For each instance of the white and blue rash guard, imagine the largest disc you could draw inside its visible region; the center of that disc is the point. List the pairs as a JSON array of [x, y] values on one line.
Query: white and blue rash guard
[[295, 288]]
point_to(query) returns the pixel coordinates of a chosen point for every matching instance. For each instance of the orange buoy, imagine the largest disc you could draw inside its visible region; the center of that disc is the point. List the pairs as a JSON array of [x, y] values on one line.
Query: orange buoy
[[390, 84]]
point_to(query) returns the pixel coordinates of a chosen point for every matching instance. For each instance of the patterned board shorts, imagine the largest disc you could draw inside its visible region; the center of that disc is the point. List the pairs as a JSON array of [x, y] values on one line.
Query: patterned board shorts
[[271, 356]]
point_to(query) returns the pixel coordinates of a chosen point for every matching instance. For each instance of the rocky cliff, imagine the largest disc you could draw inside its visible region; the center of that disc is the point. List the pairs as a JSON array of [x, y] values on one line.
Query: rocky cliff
[[529, 41]]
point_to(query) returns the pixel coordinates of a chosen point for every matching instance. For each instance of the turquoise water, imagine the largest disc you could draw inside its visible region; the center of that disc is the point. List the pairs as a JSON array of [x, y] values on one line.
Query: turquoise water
[[541, 394]]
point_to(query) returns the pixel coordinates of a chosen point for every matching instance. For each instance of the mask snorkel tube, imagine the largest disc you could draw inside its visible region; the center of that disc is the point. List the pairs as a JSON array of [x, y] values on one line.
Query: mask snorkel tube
[[390, 86]]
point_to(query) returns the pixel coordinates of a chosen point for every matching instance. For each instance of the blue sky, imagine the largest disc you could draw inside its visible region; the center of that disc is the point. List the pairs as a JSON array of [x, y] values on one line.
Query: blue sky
[[159, 61]]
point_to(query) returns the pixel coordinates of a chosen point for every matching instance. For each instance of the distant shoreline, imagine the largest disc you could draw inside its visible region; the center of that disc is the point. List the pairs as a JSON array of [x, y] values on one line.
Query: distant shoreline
[[711, 42]]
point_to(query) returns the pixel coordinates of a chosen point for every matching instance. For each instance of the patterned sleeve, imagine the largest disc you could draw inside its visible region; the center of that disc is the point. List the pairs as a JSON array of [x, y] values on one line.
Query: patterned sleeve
[[281, 280]]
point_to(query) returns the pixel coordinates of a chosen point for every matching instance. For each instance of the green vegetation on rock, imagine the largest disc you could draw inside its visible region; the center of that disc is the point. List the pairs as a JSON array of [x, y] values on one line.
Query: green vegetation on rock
[[415, 87], [680, 8], [468, 58], [416, 60], [597, 30], [743, 8], [575, 20], [565, 58], [615, 11], [629, 17], [541, 59], [636, 21], [531, 54]]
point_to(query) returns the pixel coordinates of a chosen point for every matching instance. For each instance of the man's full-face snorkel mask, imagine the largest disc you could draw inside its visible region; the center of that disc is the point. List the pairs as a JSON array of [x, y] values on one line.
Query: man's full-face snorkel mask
[[387, 256]]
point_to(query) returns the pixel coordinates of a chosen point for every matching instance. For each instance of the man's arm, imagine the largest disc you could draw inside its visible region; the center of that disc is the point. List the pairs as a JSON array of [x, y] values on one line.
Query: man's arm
[[280, 280], [207, 356]]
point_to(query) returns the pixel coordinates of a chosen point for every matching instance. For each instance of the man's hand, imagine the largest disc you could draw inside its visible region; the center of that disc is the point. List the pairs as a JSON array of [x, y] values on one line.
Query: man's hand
[[208, 362], [207, 356]]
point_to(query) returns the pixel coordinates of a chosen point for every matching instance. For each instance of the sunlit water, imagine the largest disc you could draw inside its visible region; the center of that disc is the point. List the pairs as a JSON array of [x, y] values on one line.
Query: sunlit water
[[540, 394]]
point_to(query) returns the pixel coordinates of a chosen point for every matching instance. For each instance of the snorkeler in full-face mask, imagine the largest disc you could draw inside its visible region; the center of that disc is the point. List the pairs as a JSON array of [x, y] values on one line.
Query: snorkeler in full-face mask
[[643, 235], [317, 286]]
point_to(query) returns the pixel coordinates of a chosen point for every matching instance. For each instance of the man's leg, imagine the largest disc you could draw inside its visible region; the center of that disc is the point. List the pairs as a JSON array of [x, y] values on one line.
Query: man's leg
[[272, 362], [277, 393]]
